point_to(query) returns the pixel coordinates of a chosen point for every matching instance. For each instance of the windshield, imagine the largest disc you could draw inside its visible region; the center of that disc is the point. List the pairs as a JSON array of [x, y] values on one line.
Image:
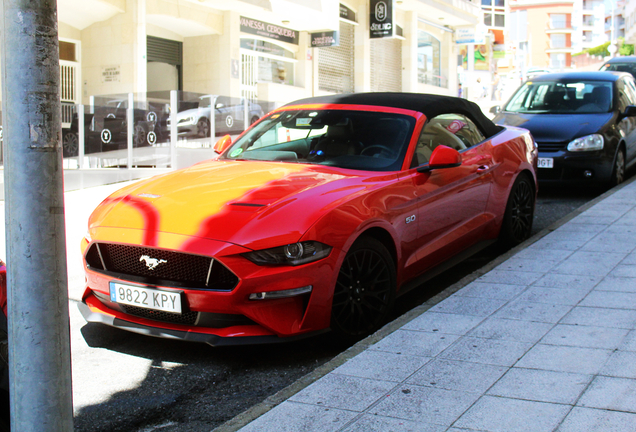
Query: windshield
[[360, 140], [552, 97], [620, 67]]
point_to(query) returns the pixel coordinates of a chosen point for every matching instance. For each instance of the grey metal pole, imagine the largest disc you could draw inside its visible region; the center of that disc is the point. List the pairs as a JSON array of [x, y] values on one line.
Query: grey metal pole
[[39, 343]]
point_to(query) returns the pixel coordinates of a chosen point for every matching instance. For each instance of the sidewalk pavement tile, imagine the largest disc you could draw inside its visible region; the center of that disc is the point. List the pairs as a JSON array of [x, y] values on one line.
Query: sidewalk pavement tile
[[510, 277], [497, 414], [475, 306], [555, 280], [532, 311], [526, 265], [608, 241], [629, 344], [343, 392], [628, 219], [376, 423], [602, 215], [590, 263], [610, 299], [621, 364], [544, 255], [594, 420], [590, 228], [563, 240], [587, 361], [486, 351], [294, 417], [415, 343], [541, 386], [627, 271], [585, 336], [456, 375], [624, 284], [427, 404], [617, 394], [601, 317], [561, 296], [630, 259], [443, 323], [490, 290], [380, 365], [512, 330]]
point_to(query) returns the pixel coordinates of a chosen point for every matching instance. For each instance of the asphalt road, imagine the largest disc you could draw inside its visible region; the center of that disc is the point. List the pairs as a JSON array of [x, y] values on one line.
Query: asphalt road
[[127, 382]]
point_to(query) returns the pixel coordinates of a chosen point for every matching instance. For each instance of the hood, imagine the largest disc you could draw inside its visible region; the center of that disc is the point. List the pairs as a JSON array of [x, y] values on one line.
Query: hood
[[240, 202], [555, 127]]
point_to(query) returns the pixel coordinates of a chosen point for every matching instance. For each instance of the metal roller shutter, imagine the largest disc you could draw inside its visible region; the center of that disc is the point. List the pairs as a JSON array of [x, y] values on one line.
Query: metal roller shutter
[[335, 64], [386, 65], [164, 51]]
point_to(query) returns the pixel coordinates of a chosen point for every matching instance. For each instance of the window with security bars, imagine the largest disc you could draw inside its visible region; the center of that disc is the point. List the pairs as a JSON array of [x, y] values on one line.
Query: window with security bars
[[386, 65], [335, 64]]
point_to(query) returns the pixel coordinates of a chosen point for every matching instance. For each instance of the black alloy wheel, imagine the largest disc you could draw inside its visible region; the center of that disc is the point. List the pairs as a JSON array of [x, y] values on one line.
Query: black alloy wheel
[[365, 290], [203, 127], [254, 120], [618, 173], [70, 144], [140, 136], [517, 223]]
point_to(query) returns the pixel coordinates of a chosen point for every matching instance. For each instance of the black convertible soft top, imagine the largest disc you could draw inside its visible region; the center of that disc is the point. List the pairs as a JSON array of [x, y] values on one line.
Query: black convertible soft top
[[428, 104]]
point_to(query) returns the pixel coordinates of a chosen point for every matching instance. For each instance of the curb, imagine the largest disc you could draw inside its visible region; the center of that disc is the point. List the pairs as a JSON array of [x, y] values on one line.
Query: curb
[[277, 398]]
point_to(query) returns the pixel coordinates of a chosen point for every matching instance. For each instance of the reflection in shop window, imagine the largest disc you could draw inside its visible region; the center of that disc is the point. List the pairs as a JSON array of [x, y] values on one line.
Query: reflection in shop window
[[275, 64], [428, 60]]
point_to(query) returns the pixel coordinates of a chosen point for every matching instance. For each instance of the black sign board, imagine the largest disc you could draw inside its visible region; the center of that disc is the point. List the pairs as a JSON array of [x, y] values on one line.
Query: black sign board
[[325, 39], [271, 31], [380, 19], [346, 13]]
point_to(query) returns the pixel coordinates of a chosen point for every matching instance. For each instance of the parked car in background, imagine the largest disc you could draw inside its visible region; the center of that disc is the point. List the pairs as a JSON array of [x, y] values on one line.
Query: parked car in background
[[534, 72], [621, 64], [314, 219], [584, 124], [229, 116]]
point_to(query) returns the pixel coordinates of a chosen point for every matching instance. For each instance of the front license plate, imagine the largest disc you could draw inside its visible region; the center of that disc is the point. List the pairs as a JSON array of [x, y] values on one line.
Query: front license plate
[[145, 297], [545, 163]]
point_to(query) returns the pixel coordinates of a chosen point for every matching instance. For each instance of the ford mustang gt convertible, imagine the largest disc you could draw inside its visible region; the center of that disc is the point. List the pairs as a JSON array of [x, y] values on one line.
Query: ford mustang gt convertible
[[315, 218]]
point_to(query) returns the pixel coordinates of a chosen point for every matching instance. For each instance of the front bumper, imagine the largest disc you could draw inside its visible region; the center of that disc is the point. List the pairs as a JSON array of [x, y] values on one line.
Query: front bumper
[[221, 315], [582, 167]]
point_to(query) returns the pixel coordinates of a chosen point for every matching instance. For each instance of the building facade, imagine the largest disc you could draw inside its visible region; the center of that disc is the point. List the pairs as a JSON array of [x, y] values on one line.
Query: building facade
[[274, 50]]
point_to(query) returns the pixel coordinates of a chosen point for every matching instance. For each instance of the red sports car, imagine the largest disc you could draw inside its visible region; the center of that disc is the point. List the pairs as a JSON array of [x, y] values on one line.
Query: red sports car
[[314, 219]]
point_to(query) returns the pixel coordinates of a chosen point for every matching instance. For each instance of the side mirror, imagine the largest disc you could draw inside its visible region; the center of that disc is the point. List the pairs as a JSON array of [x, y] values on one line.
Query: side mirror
[[630, 111], [222, 144], [495, 109], [442, 157], [219, 105]]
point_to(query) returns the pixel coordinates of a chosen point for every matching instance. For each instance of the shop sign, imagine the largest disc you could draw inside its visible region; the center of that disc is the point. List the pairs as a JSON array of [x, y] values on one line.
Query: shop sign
[[271, 31], [111, 74], [325, 39], [347, 14], [381, 19], [474, 35]]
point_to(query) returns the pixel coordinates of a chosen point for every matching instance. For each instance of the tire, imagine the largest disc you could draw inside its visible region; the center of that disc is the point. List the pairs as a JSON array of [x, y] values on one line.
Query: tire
[[203, 127], [140, 136], [365, 290], [618, 171], [517, 223], [254, 120], [70, 144]]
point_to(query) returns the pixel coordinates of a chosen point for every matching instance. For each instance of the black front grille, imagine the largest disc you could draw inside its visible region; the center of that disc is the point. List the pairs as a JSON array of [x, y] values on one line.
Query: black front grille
[[186, 318], [551, 146], [160, 267]]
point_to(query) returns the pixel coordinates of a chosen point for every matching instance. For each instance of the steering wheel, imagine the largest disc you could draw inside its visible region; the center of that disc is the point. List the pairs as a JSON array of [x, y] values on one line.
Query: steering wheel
[[377, 150]]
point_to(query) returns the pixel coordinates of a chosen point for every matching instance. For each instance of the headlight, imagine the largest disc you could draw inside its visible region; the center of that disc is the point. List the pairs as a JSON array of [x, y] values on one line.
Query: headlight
[[187, 120], [292, 254], [587, 143]]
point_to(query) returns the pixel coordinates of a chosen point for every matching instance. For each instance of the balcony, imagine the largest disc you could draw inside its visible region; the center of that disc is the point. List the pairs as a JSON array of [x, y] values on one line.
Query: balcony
[[559, 27]]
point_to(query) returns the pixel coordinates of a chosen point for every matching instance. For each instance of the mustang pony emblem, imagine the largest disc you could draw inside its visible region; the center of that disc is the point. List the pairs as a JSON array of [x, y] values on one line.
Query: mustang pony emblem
[[152, 263]]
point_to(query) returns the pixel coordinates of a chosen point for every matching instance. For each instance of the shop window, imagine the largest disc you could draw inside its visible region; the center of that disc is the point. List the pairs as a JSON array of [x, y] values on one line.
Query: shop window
[[274, 63], [428, 59]]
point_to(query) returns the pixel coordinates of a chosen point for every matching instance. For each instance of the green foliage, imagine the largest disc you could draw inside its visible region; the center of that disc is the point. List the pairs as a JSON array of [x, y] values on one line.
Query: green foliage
[[601, 50]]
